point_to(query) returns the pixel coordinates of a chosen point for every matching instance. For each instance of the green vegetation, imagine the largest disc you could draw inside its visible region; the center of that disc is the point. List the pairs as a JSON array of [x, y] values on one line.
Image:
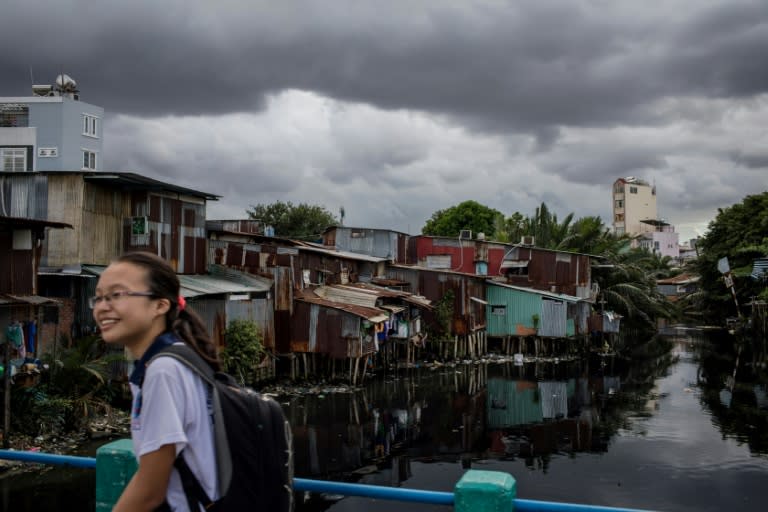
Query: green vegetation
[[302, 221], [467, 215], [740, 233], [243, 350], [76, 389]]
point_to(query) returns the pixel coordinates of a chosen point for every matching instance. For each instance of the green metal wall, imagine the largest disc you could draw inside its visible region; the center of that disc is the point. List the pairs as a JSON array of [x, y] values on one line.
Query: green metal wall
[[521, 307]]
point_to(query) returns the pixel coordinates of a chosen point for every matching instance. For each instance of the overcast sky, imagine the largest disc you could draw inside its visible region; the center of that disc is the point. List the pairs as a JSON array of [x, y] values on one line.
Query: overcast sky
[[396, 109]]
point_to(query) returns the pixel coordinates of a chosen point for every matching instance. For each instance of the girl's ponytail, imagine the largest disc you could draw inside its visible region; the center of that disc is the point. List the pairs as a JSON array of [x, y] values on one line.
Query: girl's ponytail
[[163, 282]]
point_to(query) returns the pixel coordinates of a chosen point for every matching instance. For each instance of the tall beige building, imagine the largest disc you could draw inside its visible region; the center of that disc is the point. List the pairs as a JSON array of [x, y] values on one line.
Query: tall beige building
[[634, 201]]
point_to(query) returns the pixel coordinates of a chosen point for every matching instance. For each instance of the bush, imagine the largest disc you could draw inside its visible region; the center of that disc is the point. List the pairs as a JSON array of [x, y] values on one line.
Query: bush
[[243, 350]]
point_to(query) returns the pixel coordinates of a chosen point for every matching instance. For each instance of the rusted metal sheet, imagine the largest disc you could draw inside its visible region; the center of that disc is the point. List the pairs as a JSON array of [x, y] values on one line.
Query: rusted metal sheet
[[468, 315], [213, 312], [234, 254], [283, 289], [544, 269], [258, 311], [299, 323]]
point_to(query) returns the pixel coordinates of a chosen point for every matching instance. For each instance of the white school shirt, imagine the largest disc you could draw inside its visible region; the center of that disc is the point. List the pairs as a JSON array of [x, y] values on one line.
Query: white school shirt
[[174, 407]]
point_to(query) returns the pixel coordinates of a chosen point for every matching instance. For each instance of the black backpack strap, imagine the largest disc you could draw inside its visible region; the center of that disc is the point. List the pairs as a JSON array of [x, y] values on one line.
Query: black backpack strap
[[194, 492], [192, 360]]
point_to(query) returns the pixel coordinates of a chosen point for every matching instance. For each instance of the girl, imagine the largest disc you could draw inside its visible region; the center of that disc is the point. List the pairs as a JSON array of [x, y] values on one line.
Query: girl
[[137, 305]]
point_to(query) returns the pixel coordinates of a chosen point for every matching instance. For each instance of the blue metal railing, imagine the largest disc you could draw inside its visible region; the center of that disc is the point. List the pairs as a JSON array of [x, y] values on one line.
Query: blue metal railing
[[347, 489]]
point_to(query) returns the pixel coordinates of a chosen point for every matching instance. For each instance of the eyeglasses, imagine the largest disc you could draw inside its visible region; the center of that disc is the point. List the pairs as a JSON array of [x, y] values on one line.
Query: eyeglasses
[[115, 296]]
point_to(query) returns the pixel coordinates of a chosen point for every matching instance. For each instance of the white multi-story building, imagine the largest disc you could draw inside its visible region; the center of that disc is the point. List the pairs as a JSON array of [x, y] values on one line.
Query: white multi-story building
[[635, 213], [634, 200], [52, 130]]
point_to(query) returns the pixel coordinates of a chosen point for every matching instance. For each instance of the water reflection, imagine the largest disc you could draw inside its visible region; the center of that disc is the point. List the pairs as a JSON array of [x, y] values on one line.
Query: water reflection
[[651, 431], [737, 400], [610, 420]]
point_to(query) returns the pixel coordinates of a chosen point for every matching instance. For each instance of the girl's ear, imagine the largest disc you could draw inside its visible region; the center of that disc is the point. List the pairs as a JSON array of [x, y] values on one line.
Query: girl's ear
[[163, 306]]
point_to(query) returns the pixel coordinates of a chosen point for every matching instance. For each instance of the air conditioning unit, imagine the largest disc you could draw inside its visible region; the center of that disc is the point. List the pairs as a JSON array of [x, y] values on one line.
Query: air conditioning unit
[[465, 234], [528, 240], [481, 236]]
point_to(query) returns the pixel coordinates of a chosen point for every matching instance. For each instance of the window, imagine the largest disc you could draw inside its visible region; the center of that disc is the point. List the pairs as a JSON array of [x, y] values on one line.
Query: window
[[14, 115], [498, 309], [90, 125], [619, 203], [89, 159], [13, 159], [633, 190]]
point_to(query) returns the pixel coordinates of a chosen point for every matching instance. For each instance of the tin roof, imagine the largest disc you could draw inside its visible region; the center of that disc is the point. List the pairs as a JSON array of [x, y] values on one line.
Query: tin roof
[[23, 222], [322, 249], [558, 296], [133, 181], [199, 284], [369, 313], [35, 300]]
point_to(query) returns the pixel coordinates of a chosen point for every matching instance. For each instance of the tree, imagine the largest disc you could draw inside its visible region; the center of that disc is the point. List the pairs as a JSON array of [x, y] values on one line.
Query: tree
[[243, 350], [467, 215], [303, 221], [740, 233]]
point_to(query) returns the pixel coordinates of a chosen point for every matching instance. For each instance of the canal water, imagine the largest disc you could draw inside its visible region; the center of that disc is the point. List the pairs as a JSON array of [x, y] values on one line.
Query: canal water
[[669, 429]]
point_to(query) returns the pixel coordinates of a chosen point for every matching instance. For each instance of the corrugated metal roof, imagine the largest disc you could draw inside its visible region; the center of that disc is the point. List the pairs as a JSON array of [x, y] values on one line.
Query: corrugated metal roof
[[133, 181], [196, 285], [35, 300], [369, 313], [559, 296], [367, 294], [309, 246], [24, 222]]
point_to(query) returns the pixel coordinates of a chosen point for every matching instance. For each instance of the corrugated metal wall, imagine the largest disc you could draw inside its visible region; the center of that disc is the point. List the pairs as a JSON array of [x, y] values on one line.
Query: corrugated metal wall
[[213, 312], [258, 311], [24, 195], [552, 322], [512, 403], [520, 308]]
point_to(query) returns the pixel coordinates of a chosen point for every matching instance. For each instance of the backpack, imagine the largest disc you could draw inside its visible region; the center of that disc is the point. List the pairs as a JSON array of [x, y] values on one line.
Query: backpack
[[254, 452]]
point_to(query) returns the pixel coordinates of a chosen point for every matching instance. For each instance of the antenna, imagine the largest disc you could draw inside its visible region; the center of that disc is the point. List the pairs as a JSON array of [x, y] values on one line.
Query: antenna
[[31, 76]]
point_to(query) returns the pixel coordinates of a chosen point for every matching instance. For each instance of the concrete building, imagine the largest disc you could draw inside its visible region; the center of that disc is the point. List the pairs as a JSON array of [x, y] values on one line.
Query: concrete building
[[51, 130], [634, 200], [635, 213]]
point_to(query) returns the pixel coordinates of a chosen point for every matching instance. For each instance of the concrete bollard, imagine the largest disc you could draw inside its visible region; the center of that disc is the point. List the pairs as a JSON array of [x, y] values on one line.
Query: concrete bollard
[[489, 491], [115, 466]]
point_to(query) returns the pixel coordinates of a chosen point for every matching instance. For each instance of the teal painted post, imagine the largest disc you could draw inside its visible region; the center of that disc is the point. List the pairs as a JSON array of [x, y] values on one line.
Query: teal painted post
[[115, 465], [489, 491]]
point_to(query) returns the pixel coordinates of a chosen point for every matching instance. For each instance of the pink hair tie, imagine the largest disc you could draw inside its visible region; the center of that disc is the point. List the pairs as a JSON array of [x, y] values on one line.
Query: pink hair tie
[[182, 303]]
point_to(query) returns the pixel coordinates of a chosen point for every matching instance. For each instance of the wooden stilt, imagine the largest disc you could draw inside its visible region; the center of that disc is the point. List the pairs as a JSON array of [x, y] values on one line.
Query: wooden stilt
[[357, 365]]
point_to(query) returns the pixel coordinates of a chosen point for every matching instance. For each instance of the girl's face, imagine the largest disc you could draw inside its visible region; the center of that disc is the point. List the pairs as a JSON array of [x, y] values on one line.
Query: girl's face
[[128, 319]]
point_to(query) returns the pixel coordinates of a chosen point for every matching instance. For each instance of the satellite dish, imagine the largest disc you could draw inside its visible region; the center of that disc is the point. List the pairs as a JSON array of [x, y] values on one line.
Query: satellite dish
[[66, 83]]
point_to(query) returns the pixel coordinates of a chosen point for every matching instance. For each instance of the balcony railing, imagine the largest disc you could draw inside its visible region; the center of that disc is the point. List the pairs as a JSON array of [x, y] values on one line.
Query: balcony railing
[[490, 491]]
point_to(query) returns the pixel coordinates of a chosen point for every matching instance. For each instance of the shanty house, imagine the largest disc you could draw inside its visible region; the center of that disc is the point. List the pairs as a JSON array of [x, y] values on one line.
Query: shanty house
[[111, 213], [522, 265]]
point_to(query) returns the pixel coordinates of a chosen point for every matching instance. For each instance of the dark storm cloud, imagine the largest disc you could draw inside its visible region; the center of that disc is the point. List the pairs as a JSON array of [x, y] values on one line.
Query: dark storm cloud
[[589, 163], [520, 65], [751, 160]]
